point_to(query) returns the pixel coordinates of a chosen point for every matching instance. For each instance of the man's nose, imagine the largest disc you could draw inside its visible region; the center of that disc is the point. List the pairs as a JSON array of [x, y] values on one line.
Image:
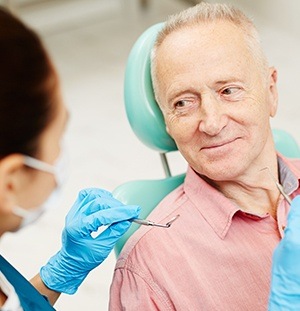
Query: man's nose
[[212, 116]]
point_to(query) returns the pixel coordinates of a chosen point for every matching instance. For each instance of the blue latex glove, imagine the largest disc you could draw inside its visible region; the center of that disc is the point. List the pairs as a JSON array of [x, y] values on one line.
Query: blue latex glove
[[285, 285], [80, 252]]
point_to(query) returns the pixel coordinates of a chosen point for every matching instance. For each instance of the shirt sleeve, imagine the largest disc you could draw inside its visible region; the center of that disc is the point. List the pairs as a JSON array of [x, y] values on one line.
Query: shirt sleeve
[[130, 291]]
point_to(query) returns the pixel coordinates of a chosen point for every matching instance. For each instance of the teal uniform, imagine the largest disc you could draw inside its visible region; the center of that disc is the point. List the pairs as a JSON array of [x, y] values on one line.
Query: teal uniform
[[30, 298]]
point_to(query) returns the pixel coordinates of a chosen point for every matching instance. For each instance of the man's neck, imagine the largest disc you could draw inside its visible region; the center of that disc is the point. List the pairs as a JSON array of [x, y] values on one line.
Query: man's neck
[[254, 201], [255, 192]]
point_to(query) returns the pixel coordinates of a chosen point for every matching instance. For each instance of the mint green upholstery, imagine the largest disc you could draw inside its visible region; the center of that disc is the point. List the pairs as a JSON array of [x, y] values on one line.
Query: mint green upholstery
[[147, 122], [286, 144], [143, 114]]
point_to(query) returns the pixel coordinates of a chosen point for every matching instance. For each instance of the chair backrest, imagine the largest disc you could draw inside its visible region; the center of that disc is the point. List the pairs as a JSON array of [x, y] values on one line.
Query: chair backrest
[[147, 122]]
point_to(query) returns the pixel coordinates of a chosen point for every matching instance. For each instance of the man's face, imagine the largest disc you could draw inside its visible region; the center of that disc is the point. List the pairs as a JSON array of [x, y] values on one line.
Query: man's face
[[216, 100]]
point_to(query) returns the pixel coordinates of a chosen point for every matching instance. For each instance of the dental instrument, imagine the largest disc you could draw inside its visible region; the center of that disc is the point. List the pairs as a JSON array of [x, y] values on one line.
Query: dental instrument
[[147, 222], [279, 186]]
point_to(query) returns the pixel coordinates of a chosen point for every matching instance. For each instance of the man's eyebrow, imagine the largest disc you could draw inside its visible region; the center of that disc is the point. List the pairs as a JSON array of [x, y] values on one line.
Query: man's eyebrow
[[228, 80], [173, 94]]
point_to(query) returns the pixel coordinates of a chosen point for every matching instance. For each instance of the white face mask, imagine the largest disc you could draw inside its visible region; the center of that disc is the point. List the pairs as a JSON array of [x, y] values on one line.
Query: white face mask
[[59, 171]]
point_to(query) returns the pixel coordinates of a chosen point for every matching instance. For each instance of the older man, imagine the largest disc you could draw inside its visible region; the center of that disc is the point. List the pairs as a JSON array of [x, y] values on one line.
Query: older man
[[217, 94]]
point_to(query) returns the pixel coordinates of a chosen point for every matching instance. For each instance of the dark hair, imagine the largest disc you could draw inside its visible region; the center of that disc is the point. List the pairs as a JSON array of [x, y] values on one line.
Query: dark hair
[[27, 86]]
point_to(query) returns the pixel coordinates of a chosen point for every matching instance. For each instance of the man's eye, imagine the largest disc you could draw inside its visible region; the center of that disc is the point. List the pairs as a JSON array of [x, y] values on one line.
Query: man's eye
[[186, 105], [180, 104], [230, 90]]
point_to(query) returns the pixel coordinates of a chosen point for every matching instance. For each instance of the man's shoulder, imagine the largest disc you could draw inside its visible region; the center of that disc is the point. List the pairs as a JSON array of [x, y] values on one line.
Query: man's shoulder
[[145, 236]]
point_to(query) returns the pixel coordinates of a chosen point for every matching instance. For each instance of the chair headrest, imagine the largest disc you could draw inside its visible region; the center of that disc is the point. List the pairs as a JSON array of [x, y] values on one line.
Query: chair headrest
[[143, 113]]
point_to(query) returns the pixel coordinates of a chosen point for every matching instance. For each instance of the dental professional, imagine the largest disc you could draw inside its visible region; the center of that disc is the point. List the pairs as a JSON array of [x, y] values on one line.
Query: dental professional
[[32, 124]]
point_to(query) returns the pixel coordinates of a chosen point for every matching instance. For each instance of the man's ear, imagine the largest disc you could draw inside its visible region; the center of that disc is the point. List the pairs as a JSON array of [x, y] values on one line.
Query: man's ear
[[272, 82], [10, 182]]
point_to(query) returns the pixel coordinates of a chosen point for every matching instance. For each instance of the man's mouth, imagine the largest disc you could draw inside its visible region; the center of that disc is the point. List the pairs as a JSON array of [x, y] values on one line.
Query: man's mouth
[[218, 144]]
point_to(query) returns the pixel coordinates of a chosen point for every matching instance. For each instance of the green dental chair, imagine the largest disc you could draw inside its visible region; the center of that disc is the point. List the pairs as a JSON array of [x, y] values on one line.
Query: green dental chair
[[147, 122]]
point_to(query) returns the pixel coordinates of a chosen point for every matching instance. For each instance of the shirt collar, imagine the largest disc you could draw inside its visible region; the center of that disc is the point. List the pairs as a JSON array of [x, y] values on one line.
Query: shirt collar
[[289, 174], [217, 209]]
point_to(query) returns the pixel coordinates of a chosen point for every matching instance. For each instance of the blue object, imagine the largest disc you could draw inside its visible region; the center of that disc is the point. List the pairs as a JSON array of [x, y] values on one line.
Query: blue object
[[30, 298], [80, 251], [285, 283]]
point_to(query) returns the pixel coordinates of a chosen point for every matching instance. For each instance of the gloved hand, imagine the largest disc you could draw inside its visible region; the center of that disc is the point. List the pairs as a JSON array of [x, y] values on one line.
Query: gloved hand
[[80, 252], [285, 284]]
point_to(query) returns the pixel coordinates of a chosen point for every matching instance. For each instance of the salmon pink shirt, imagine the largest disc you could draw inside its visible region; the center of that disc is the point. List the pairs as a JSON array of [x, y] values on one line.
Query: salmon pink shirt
[[214, 256]]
